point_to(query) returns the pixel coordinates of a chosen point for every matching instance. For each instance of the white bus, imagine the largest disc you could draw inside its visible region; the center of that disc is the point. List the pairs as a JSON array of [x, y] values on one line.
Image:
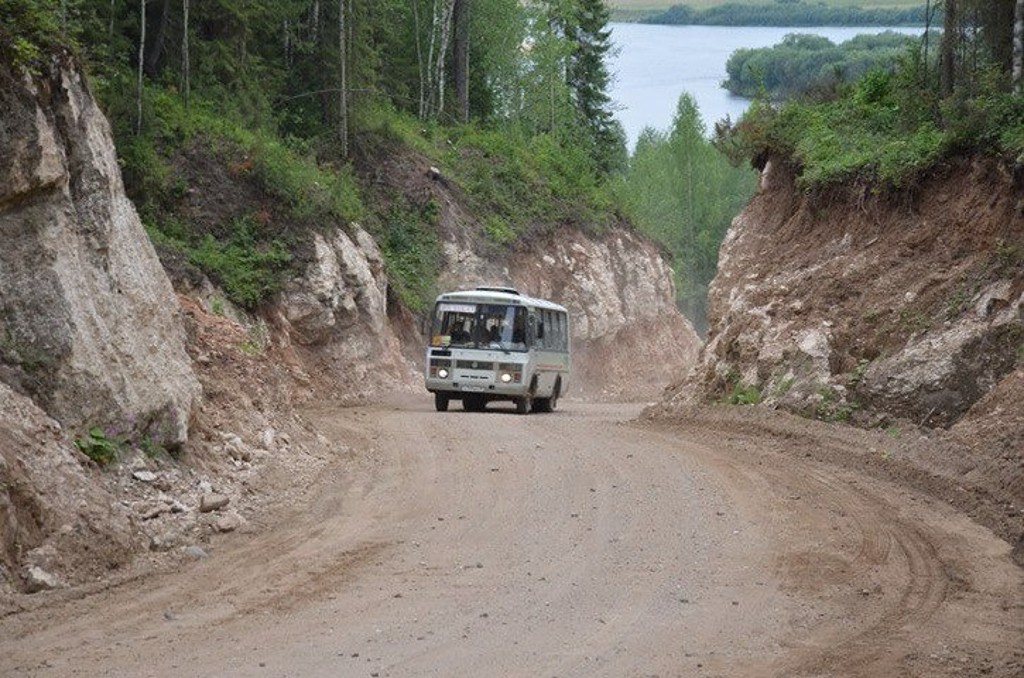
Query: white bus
[[493, 343]]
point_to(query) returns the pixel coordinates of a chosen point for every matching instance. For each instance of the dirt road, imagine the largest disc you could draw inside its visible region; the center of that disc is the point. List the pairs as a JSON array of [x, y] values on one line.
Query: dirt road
[[572, 544]]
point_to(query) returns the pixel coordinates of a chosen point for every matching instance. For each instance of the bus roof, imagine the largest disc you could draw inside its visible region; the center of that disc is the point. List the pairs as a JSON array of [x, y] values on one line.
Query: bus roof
[[499, 295]]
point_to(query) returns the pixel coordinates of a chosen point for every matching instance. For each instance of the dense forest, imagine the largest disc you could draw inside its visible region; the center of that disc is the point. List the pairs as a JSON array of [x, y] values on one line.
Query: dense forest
[[788, 13], [957, 94], [804, 63], [510, 100]]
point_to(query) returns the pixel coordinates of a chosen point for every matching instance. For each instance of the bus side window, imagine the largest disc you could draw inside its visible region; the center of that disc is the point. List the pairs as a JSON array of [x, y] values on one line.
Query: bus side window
[[559, 343]]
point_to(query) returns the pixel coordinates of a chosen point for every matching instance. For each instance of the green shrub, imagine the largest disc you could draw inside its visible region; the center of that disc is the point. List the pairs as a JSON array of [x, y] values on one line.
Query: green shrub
[[497, 230], [412, 256], [248, 270], [885, 128], [96, 445], [29, 30], [743, 394]]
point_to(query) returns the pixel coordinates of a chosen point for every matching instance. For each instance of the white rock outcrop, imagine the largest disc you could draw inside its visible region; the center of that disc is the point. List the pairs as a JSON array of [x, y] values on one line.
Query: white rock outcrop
[[338, 311], [89, 323], [629, 338]]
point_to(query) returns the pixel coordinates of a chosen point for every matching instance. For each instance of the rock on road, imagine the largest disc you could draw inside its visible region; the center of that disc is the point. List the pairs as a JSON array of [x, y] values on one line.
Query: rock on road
[[578, 543]]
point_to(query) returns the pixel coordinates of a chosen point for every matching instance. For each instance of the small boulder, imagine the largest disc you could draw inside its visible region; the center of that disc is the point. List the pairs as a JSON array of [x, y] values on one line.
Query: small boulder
[[37, 579], [212, 501]]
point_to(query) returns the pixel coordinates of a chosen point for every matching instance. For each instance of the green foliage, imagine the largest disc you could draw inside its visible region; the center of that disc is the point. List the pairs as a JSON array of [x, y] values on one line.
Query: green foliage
[[884, 128], [742, 394], [803, 63], [412, 256], [586, 28], [498, 231], [29, 31], [528, 181], [830, 408], [152, 447], [891, 125], [788, 14], [683, 193], [248, 270], [256, 341], [98, 446], [858, 373]]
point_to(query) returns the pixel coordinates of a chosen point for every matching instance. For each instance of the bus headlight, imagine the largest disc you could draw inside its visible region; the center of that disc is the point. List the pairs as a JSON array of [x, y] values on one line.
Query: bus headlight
[[506, 377], [442, 373]]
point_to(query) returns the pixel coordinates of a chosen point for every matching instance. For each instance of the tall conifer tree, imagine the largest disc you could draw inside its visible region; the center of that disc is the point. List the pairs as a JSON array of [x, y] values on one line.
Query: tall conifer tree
[[588, 78]]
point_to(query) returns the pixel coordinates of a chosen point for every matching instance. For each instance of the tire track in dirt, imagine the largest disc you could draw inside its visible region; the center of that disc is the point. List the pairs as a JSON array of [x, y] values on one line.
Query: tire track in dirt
[[893, 567], [575, 544]]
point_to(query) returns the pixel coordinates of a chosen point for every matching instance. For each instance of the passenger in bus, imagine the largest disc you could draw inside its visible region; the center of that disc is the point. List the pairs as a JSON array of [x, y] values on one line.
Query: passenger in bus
[[494, 334], [460, 335], [518, 333]]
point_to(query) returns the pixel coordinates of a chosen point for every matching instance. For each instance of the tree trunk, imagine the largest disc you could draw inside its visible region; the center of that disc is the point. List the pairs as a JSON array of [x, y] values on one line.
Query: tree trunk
[[343, 85], [186, 67], [948, 49], [421, 67], [153, 58], [924, 42], [1018, 48], [440, 35], [142, 58], [461, 61], [445, 28]]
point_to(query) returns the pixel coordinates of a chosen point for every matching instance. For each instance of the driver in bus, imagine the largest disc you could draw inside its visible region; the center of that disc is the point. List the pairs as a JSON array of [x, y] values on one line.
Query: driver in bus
[[459, 334]]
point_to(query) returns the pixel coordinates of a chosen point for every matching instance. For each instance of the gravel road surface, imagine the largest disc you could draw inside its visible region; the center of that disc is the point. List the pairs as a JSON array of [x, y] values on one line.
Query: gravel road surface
[[579, 543]]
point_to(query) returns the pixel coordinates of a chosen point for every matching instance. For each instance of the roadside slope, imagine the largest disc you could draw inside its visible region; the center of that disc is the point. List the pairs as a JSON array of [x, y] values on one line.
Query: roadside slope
[[895, 311]]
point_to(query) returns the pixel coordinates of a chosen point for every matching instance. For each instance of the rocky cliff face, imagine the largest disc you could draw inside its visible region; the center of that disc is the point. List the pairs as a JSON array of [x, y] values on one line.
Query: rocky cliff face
[[89, 325], [626, 329], [629, 339], [90, 335], [852, 304], [335, 316]]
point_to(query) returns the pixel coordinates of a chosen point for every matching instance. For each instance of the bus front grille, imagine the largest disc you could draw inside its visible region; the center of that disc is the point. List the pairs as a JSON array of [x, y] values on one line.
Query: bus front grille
[[474, 365]]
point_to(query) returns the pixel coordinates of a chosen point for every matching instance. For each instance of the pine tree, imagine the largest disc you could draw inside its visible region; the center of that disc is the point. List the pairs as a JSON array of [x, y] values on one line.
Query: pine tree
[[586, 27]]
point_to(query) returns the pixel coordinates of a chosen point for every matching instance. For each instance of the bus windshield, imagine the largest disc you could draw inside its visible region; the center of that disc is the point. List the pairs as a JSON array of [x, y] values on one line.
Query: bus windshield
[[479, 326]]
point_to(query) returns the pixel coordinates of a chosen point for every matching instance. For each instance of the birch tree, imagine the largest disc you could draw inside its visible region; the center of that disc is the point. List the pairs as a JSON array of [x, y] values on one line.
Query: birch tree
[[142, 56], [432, 70], [460, 71], [343, 81]]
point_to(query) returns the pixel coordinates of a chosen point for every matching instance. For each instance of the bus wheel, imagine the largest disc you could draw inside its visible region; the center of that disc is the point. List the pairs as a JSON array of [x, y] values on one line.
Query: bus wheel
[[523, 404], [441, 402], [547, 404]]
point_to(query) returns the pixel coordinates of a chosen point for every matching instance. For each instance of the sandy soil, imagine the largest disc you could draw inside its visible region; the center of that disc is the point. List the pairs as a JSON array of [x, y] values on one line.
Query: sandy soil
[[581, 543]]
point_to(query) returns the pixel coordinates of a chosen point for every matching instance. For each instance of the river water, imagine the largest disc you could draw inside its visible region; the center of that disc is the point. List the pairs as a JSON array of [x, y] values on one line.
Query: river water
[[655, 64]]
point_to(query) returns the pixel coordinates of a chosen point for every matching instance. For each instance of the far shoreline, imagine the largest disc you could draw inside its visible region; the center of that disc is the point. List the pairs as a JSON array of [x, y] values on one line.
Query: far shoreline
[[792, 14]]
